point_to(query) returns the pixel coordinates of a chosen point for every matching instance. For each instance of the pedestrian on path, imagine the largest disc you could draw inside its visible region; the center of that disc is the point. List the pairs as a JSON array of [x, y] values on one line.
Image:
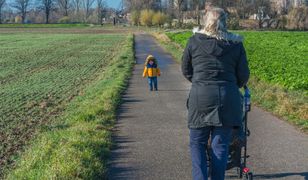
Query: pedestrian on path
[[214, 60], [151, 71]]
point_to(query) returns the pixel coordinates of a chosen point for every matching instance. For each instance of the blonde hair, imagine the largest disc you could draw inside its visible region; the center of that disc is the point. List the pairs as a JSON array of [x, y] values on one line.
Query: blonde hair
[[215, 25], [150, 58]]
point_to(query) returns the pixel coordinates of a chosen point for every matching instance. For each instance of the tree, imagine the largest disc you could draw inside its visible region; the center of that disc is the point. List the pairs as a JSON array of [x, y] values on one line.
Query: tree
[[64, 6], [22, 8], [77, 9], [142, 4], [135, 17], [222, 3], [179, 7], [77, 5], [244, 8], [262, 8], [298, 18], [101, 9], [146, 17], [1, 6], [87, 4], [159, 19], [47, 6], [197, 5], [133, 4]]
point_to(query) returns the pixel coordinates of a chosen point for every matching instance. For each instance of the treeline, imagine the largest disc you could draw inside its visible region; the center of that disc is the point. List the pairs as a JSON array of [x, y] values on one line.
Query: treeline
[[54, 11], [270, 14]]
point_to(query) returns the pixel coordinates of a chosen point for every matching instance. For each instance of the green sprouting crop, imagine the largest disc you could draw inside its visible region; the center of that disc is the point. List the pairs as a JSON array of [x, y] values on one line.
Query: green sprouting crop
[[275, 57]]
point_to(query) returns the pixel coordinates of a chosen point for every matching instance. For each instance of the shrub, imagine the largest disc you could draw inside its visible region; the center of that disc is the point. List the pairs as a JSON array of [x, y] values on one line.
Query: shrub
[[282, 22], [159, 19], [18, 19], [146, 17], [64, 20], [298, 18], [135, 17], [189, 25], [233, 23]]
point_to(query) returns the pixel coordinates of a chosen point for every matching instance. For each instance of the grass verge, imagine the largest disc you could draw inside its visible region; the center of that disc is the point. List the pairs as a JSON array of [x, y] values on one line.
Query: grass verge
[[291, 105], [76, 146], [173, 48]]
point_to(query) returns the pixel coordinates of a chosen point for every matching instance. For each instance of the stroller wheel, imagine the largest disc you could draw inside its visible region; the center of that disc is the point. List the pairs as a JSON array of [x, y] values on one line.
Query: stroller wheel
[[239, 173], [250, 176]]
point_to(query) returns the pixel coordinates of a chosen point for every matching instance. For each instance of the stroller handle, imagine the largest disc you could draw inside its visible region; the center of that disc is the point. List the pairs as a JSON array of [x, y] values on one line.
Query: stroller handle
[[247, 95]]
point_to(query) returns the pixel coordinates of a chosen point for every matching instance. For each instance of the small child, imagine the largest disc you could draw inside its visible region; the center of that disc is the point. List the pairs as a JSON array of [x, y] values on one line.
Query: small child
[[151, 71]]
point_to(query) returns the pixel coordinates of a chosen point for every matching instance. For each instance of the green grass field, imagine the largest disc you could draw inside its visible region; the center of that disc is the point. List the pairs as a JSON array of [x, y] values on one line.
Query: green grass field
[[276, 57], [58, 98], [279, 66], [43, 25]]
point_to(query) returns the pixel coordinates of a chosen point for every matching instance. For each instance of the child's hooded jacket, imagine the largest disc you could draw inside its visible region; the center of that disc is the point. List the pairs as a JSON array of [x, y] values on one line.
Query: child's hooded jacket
[[151, 70]]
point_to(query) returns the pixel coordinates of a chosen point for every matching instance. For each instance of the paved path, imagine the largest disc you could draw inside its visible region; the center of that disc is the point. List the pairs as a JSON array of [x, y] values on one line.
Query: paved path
[[152, 137]]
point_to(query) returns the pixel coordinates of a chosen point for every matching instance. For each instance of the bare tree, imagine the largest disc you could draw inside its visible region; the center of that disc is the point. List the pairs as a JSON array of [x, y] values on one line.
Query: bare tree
[[1, 6], [47, 6], [178, 4], [143, 4], [64, 6], [22, 8], [262, 8], [101, 9], [77, 5], [198, 4], [244, 8], [87, 4], [133, 5]]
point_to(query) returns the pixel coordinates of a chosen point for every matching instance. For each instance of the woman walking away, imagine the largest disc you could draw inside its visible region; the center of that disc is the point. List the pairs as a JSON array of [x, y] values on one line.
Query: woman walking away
[[215, 62]]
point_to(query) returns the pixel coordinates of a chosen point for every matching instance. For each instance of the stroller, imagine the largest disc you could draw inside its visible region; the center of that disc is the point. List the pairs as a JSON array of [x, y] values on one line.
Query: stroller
[[238, 148]]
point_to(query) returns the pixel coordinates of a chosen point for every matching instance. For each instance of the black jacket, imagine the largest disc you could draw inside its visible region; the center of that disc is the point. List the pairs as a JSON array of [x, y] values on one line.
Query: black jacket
[[217, 69]]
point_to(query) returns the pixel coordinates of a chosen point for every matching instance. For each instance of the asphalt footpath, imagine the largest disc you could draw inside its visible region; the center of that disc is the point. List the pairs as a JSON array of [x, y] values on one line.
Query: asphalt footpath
[[152, 139]]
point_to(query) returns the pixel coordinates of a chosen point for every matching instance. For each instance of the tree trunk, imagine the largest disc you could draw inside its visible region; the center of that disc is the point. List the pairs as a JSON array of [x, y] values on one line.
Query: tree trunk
[[66, 12], [180, 17], [198, 14], [0, 16], [260, 24], [47, 16], [23, 18]]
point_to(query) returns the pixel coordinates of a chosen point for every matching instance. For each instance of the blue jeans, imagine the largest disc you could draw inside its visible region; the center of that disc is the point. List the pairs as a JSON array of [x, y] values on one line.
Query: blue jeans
[[152, 81], [220, 139]]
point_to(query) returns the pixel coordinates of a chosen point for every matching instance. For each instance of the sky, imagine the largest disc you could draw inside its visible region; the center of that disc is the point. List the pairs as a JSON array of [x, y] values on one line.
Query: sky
[[113, 3], [110, 3]]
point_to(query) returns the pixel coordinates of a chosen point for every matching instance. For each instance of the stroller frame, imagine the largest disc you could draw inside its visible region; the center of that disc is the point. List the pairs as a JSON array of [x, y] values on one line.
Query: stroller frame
[[243, 172]]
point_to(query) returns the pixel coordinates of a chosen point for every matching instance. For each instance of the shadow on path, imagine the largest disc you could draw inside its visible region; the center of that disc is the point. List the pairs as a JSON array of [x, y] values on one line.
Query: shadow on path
[[281, 175]]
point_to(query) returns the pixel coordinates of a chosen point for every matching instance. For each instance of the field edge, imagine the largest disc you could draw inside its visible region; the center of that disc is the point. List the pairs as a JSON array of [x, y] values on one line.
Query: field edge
[[77, 145]]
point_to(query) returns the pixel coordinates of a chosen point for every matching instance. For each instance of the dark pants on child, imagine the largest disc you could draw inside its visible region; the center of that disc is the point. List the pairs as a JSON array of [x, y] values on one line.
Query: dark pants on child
[[152, 81], [220, 139]]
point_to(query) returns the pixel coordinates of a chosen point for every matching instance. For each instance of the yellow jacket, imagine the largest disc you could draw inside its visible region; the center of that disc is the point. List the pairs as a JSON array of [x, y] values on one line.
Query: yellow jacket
[[151, 71]]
